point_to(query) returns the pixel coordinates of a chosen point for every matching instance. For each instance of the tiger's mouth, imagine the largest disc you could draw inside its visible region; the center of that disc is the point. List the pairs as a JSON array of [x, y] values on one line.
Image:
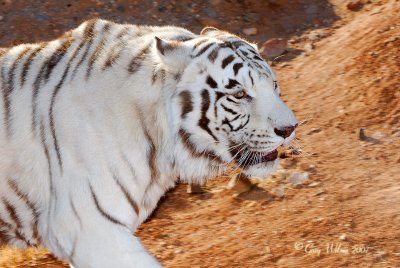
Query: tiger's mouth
[[249, 158]]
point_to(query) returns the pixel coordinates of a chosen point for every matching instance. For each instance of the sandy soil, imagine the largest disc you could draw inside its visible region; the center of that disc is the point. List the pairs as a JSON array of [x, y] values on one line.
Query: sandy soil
[[341, 74]]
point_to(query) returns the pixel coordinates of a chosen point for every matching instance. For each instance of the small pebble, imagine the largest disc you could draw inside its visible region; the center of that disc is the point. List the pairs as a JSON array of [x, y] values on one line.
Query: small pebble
[[297, 179], [354, 5], [273, 48], [250, 31], [314, 184], [343, 237], [279, 191], [361, 134]]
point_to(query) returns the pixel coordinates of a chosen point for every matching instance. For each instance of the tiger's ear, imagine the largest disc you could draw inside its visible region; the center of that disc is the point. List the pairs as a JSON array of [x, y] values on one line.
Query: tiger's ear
[[209, 30], [174, 54]]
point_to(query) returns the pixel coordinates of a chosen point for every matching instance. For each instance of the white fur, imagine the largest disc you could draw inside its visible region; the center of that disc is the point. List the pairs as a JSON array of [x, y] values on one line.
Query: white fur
[[103, 125]]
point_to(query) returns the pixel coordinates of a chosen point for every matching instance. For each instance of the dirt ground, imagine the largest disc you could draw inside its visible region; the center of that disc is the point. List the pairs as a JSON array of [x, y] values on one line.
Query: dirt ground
[[341, 73]]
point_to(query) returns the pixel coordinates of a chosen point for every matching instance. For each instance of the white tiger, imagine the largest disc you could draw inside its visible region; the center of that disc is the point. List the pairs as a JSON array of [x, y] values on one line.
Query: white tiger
[[98, 124]]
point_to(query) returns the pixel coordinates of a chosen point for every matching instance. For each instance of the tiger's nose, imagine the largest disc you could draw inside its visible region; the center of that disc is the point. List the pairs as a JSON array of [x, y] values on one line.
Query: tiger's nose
[[285, 131]]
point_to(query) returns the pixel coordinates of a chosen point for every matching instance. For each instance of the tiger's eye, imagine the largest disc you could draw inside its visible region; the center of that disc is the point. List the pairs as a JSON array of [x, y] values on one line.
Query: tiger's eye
[[240, 94]]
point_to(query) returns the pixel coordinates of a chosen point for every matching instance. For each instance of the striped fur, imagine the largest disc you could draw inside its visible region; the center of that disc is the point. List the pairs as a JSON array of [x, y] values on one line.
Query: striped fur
[[99, 123]]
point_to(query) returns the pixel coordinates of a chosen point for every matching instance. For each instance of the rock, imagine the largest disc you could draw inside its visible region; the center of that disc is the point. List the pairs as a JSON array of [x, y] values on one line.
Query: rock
[[343, 237], [208, 22], [239, 184], [194, 189], [297, 178], [315, 184], [308, 47], [294, 151], [178, 251], [354, 5], [320, 192], [314, 130], [279, 191], [162, 8], [250, 31], [1, 18], [273, 48], [361, 134]]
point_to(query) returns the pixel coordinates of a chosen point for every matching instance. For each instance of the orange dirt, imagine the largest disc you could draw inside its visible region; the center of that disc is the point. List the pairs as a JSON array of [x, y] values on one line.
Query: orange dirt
[[345, 81]]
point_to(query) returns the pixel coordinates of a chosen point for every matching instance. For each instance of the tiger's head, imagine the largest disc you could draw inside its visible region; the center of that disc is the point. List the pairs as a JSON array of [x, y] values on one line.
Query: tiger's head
[[227, 101]]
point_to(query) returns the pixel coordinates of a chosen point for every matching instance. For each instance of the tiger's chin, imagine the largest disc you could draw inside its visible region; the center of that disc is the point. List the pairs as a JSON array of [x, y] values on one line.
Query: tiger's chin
[[261, 170]]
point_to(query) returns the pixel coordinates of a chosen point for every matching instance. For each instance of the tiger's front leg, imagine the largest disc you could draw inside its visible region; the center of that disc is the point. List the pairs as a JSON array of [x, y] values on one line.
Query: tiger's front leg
[[117, 248], [103, 245], [96, 238]]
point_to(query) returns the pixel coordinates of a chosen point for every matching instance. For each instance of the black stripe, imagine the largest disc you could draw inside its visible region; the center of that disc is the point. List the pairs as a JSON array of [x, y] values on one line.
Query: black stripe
[[73, 208], [231, 100], [152, 162], [211, 82], [242, 125], [185, 138], [28, 62], [235, 118], [12, 213], [46, 152], [258, 58], [53, 99], [6, 99], [11, 74], [227, 60], [251, 78], [204, 49], [213, 54], [96, 53], [87, 39], [158, 74], [24, 197], [152, 157], [51, 116], [228, 109], [237, 67], [218, 95], [127, 195], [4, 234], [101, 210], [204, 121], [52, 191], [44, 74], [199, 43], [56, 57], [116, 50], [232, 83], [186, 102], [136, 62]]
